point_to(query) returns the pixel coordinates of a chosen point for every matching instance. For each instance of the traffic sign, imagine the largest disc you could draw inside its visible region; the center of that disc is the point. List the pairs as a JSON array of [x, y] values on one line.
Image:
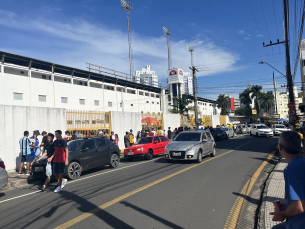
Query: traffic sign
[[291, 105], [291, 112], [292, 119]]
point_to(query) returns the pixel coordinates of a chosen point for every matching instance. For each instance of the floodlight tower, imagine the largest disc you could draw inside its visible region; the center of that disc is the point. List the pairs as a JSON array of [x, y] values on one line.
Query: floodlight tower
[[127, 5], [191, 49], [168, 32]]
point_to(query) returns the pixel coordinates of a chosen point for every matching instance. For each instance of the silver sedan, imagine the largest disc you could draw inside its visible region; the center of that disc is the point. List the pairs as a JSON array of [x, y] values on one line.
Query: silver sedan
[[191, 145], [3, 175]]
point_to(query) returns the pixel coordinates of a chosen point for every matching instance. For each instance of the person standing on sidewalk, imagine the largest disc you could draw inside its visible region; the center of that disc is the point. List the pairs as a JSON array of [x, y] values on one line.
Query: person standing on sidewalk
[[60, 161], [169, 133], [112, 137], [131, 138], [116, 140], [294, 173], [25, 152], [49, 151], [126, 140]]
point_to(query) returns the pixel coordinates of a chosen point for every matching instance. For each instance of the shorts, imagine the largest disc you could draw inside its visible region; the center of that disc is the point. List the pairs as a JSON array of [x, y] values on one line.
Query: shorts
[[58, 168], [26, 158]]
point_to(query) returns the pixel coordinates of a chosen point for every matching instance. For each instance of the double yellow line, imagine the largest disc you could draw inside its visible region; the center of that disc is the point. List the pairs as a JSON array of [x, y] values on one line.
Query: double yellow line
[[116, 200]]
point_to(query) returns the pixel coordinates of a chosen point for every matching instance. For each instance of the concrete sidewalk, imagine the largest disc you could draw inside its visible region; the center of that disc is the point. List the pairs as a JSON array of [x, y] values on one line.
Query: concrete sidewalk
[[274, 190]]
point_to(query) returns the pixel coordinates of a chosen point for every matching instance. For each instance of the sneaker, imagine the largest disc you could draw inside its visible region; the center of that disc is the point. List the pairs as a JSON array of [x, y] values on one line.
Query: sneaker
[[58, 189], [63, 183], [19, 174], [27, 174]]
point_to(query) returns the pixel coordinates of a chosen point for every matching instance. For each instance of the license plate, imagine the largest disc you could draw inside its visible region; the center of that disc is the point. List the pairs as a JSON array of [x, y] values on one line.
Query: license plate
[[130, 153], [38, 169], [176, 154]]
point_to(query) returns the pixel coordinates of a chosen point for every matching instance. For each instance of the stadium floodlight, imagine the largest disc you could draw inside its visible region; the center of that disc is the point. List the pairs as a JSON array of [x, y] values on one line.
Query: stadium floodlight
[[191, 49], [127, 5], [168, 32]]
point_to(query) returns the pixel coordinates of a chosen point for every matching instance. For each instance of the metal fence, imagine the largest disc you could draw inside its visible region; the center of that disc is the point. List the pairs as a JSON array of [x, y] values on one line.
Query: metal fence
[[88, 123]]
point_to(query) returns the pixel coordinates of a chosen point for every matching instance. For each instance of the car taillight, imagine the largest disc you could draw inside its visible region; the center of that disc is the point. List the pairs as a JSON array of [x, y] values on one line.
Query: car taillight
[[2, 165]]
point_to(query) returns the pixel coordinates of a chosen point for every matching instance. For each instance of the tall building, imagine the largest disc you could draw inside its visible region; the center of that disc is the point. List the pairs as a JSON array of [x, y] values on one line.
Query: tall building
[[147, 77], [188, 83]]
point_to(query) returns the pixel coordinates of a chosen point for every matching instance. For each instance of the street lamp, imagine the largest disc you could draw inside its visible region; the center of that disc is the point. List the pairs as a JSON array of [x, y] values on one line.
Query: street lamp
[[273, 68]]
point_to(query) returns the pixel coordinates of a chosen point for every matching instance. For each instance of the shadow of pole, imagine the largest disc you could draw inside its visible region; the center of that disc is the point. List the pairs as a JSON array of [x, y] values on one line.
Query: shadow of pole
[[151, 215]]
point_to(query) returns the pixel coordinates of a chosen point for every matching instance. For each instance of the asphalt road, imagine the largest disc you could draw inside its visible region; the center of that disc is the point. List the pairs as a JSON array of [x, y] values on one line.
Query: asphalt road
[[195, 196]]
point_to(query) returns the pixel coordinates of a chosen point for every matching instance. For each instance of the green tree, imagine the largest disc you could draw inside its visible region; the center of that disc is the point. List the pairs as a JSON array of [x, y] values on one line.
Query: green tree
[[245, 97], [267, 101], [256, 93], [223, 103], [181, 103], [244, 111]]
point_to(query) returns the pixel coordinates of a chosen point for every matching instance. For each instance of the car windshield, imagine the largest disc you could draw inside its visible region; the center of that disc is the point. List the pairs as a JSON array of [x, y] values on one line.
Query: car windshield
[[73, 145], [188, 137], [244, 126], [262, 127], [280, 126], [144, 140], [249, 125]]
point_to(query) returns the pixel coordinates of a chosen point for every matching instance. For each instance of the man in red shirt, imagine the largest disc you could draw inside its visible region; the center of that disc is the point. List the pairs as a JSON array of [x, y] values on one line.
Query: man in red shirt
[[60, 161], [151, 134]]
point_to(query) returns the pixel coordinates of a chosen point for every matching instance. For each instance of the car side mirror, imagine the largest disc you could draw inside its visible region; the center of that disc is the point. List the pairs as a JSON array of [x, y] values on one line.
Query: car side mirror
[[155, 142], [85, 149]]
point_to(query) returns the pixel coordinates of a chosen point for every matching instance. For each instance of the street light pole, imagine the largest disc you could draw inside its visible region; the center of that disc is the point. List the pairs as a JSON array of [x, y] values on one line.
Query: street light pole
[[275, 94]]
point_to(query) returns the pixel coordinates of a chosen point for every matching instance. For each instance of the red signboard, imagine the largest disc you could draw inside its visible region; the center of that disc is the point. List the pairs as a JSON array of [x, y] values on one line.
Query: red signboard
[[232, 104], [291, 105]]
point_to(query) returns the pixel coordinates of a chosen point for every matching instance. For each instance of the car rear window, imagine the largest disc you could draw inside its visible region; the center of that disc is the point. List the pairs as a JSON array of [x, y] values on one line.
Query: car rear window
[[73, 145], [163, 139], [144, 140]]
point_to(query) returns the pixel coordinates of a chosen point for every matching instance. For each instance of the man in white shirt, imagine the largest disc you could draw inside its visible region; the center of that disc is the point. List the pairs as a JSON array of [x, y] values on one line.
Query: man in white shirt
[[153, 130]]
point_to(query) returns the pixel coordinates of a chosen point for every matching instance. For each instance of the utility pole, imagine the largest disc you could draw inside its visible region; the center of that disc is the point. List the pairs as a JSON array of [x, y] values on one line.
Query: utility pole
[[194, 70], [168, 32], [275, 94], [292, 110]]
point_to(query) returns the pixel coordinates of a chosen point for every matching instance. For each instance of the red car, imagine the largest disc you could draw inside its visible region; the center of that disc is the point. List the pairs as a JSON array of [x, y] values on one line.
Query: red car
[[147, 147]]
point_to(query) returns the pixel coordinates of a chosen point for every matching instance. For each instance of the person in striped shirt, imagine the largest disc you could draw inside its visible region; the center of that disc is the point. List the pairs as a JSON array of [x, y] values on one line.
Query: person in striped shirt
[[25, 152]]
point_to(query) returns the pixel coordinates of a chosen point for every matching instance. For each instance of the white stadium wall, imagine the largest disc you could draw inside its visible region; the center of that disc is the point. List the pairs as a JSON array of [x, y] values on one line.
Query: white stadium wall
[[171, 120], [16, 119]]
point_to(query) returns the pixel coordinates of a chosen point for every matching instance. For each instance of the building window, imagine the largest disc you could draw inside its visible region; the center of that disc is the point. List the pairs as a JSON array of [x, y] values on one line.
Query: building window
[[69, 122], [157, 96], [153, 102], [141, 93], [146, 94], [81, 101], [141, 112], [157, 102], [109, 104], [152, 95], [147, 101], [42, 98], [64, 99], [18, 96], [96, 102], [121, 104], [131, 105]]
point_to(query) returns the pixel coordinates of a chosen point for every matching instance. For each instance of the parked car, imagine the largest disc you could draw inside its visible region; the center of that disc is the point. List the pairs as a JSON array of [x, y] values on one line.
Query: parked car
[[147, 147], [261, 130], [278, 129], [85, 154], [219, 134], [3, 174], [191, 145], [229, 132]]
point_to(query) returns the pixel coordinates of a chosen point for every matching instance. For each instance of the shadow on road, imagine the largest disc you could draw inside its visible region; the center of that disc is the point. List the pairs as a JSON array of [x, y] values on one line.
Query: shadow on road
[[151, 215]]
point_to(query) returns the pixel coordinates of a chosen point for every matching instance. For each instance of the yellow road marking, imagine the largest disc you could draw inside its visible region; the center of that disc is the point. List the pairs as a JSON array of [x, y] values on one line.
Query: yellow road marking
[[103, 206], [234, 214]]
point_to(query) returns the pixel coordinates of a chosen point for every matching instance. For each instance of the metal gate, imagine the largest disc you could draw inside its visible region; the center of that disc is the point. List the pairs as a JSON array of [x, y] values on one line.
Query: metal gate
[[88, 123]]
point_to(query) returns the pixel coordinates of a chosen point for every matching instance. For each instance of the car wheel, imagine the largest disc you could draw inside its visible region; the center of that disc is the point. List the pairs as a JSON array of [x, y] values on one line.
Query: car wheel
[[114, 160], [213, 152], [199, 158], [274, 133], [150, 155], [74, 170]]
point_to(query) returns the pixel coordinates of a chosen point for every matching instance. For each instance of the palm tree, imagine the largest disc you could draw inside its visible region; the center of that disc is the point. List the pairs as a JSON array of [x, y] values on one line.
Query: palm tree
[[223, 103], [245, 97], [181, 104], [267, 101], [256, 93]]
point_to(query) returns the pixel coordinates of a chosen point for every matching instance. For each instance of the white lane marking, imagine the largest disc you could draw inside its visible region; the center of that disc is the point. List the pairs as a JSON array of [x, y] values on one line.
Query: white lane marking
[[117, 169]]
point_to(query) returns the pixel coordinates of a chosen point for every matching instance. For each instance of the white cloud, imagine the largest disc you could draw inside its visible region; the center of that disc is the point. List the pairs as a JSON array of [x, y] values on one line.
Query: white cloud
[[247, 37], [77, 41], [260, 35], [241, 31]]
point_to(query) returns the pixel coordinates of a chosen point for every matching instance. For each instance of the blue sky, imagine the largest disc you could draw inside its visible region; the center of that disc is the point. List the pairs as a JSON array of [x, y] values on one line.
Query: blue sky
[[226, 38]]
